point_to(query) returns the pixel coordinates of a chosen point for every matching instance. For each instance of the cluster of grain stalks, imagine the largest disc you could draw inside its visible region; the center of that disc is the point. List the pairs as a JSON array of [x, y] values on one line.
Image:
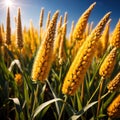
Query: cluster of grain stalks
[[47, 75]]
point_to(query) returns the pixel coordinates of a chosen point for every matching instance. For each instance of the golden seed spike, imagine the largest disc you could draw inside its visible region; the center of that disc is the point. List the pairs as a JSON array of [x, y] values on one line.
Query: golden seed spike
[[115, 39], [83, 59], [8, 29], [59, 24], [113, 109], [19, 37], [1, 38], [81, 24], [43, 59], [114, 84], [41, 17], [108, 64], [48, 19]]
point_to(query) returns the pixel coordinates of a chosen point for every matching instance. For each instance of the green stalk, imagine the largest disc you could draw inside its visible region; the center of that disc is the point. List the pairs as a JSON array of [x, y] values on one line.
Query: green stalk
[[94, 93], [82, 92], [56, 103], [35, 96], [100, 92], [63, 106]]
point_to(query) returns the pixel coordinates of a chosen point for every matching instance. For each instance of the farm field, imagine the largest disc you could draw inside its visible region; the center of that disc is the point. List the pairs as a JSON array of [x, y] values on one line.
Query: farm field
[[59, 72]]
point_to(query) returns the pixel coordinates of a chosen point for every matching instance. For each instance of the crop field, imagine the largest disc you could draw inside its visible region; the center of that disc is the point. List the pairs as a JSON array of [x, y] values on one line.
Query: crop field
[[46, 74]]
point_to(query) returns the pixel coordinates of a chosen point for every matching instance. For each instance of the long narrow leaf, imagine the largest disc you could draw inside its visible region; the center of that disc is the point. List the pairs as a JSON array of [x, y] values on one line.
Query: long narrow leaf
[[79, 114], [42, 106]]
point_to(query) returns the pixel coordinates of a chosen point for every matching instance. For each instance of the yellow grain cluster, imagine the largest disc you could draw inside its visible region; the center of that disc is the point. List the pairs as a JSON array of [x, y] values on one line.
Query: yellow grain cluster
[[48, 19], [2, 27], [57, 38], [108, 64], [98, 51], [59, 25], [114, 85], [81, 24], [43, 59], [62, 55], [105, 37], [91, 26], [78, 33], [113, 109], [1, 38], [33, 41], [18, 79], [41, 17], [82, 61], [8, 29], [19, 37], [103, 42], [71, 34], [87, 30], [115, 39]]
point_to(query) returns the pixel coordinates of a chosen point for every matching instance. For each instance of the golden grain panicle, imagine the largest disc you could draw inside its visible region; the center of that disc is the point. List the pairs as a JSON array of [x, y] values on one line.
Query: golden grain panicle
[[18, 79], [19, 36], [8, 28], [62, 54], [43, 59], [83, 59], [59, 24], [108, 64], [91, 27], [105, 37], [1, 37], [57, 38], [103, 42], [114, 84], [41, 17], [71, 34], [81, 24], [115, 39], [64, 29], [113, 109], [48, 19]]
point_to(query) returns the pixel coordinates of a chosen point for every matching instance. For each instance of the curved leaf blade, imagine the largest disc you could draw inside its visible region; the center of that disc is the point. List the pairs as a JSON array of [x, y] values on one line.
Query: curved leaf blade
[[42, 106]]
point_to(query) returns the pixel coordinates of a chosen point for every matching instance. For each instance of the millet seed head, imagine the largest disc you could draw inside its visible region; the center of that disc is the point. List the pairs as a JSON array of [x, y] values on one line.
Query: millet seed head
[[114, 84], [59, 24], [82, 61], [19, 36], [115, 39], [1, 38], [43, 59], [108, 64], [8, 28], [41, 17], [81, 24], [113, 109], [48, 19]]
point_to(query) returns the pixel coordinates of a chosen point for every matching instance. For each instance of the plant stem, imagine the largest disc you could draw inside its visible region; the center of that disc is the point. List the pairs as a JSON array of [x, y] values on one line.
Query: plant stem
[[82, 92], [100, 92], [56, 103], [63, 106], [35, 96], [94, 93]]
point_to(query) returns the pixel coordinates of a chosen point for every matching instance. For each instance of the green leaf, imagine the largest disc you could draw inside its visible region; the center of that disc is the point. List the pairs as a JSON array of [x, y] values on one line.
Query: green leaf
[[42, 106], [79, 114], [101, 115], [108, 101]]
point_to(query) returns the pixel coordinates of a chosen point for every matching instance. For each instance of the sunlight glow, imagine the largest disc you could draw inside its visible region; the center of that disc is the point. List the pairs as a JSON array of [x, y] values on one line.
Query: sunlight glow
[[8, 3]]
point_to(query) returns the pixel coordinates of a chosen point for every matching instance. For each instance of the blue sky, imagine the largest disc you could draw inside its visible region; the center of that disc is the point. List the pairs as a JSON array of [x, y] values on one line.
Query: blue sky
[[30, 9]]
